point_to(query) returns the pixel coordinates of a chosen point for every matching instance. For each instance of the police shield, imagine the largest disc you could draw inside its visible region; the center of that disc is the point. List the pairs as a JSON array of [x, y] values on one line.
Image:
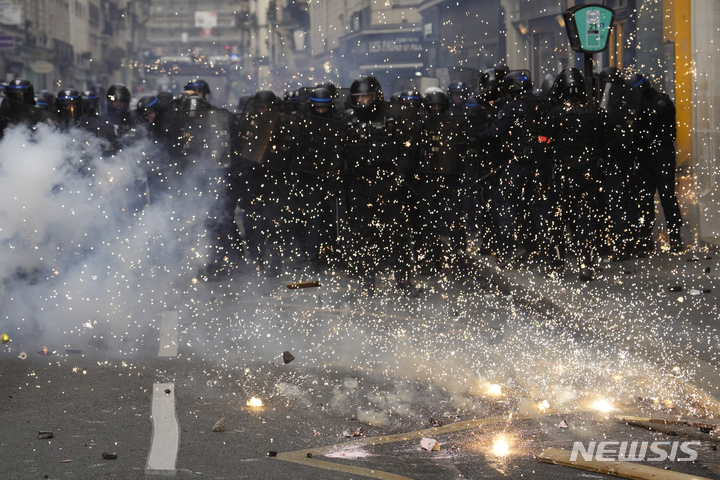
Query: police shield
[[202, 137], [317, 143], [256, 129], [443, 145]]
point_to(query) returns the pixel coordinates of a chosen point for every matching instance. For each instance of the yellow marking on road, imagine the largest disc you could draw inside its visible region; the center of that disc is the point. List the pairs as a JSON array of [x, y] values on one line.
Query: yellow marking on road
[[301, 456]]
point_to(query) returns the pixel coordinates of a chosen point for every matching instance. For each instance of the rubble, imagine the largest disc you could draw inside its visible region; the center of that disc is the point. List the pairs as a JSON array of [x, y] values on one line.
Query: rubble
[[219, 425], [353, 433], [429, 444]]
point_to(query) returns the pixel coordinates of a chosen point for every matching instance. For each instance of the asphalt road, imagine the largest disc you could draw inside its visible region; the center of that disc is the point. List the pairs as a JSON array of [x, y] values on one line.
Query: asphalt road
[[460, 362]]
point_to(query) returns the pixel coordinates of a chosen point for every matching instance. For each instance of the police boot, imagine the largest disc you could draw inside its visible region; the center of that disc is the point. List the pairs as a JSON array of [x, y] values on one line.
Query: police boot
[[676, 244]]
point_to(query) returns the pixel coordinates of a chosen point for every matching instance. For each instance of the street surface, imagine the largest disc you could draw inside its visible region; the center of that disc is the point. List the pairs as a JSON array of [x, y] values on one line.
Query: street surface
[[463, 362]]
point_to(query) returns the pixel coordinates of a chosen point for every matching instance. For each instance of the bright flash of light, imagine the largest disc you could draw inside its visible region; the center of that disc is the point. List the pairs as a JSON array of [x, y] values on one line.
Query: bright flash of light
[[602, 406], [501, 447], [544, 405], [495, 390], [255, 402]]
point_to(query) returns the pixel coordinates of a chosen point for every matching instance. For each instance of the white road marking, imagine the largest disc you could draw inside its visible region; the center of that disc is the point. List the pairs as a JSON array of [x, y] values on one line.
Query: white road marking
[[168, 334], [166, 432]]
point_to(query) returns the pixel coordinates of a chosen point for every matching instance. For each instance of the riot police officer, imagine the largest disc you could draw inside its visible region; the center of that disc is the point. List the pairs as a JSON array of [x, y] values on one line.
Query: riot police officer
[[263, 148], [198, 87], [314, 175], [457, 93], [575, 132], [442, 153], [620, 181], [118, 110], [18, 106], [523, 170], [654, 141], [376, 194]]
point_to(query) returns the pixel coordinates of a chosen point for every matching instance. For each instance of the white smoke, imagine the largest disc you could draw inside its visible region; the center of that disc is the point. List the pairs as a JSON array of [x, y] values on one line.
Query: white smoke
[[81, 251]]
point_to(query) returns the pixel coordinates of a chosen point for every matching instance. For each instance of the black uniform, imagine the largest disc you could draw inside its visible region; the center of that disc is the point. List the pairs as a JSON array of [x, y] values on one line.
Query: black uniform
[[575, 131], [655, 135], [376, 193], [315, 175]]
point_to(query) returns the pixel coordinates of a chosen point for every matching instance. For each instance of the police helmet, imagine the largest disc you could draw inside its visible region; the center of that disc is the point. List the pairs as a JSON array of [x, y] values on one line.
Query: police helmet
[[362, 87], [491, 77], [199, 86], [410, 98], [148, 104], [118, 97], [571, 84], [194, 105], [458, 88], [20, 90], [91, 103], [321, 101], [638, 81], [266, 97], [517, 83], [436, 103], [611, 75], [68, 105], [42, 103]]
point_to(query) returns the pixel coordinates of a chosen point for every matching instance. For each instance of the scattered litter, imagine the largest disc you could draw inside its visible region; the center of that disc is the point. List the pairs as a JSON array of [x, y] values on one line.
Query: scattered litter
[[65, 461], [168, 391], [693, 259], [675, 288], [707, 270], [288, 357], [353, 433], [272, 453], [293, 286], [563, 424], [45, 435], [429, 444], [109, 455], [22, 356], [435, 423], [309, 455], [219, 425], [696, 291], [4, 338], [45, 351]]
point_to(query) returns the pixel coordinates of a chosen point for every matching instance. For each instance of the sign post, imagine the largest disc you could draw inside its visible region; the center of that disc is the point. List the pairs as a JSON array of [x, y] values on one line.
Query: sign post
[[588, 28]]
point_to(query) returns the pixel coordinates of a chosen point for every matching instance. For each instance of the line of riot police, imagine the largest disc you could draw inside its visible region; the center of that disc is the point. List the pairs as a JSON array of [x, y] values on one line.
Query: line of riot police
[[341, 177]]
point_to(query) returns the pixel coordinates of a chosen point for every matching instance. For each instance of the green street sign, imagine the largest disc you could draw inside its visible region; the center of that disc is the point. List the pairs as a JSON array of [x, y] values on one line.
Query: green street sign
[[588, 27]]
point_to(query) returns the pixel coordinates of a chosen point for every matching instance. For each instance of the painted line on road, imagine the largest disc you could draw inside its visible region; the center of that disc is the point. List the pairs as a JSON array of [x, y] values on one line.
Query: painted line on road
[[168, 334], [166, 432], [301, 456]]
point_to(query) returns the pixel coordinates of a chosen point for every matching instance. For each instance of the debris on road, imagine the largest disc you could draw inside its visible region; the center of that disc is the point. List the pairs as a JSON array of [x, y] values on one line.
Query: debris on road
[[288, 357], [353, 433], [294, 286], [45, 435], [562, 424], [109, 455], [429, 444], [219, 425]]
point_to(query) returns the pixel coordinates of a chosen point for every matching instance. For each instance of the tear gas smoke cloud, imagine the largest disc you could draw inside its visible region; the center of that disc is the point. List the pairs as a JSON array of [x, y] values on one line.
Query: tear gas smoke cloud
[[76, 255]]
